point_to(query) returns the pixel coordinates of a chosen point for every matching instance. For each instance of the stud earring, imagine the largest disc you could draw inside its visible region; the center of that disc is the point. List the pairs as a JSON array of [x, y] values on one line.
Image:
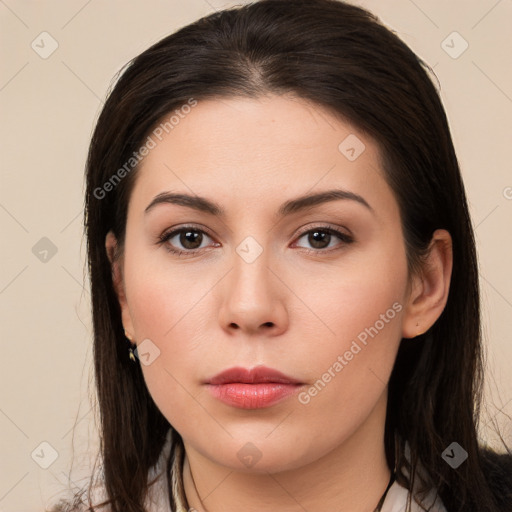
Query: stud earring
[[421, 332]]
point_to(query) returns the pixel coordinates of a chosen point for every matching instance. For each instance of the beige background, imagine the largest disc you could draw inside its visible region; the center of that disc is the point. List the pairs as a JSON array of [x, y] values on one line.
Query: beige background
[[48, 108]]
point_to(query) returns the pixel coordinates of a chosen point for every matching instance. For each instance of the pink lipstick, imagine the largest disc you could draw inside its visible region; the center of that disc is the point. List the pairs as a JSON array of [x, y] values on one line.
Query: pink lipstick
[[251, 389]]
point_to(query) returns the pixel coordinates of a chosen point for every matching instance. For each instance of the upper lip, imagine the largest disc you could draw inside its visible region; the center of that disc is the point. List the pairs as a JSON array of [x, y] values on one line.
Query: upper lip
[[257, 375]]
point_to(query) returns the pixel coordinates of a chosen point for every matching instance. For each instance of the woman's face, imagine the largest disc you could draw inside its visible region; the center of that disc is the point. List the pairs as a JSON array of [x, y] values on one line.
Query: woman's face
[[264, 281]]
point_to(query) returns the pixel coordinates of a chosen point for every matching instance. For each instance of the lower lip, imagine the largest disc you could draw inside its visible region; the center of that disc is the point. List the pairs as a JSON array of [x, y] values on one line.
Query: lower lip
[[252, 396]]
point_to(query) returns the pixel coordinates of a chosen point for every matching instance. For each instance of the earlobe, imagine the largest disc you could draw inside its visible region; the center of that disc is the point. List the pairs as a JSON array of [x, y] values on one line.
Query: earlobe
[[430, 290]]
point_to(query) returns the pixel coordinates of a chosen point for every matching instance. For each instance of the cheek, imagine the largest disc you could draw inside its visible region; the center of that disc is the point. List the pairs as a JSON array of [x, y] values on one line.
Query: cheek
[[165, 311], [360, 308], [357, 295], [162, 296]]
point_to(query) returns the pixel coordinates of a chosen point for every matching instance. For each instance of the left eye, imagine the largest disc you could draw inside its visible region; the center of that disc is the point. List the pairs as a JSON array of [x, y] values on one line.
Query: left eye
[[320, 237]]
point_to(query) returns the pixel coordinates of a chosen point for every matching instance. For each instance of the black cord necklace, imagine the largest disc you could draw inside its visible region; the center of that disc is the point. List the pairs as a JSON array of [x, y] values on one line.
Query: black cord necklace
[[379, 505], [172, 466]]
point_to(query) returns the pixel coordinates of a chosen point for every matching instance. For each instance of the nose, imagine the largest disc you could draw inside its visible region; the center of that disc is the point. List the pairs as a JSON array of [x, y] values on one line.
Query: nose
[[253, 299]]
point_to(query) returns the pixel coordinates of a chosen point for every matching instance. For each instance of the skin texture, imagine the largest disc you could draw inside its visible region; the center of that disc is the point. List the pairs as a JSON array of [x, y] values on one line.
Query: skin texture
[[289, 309]]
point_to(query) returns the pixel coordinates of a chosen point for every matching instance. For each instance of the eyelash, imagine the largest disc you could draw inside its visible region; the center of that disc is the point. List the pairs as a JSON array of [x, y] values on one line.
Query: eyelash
[[166, 236]]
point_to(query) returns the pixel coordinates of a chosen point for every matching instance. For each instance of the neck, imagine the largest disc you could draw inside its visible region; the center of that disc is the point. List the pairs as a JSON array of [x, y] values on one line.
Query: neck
[[351, 477]]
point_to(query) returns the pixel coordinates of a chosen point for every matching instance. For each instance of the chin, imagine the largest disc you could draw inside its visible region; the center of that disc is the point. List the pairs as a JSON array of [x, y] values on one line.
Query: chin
[[262, 455]]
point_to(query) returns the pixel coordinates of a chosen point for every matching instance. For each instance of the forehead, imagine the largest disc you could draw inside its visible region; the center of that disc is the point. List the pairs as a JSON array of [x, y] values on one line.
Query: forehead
[[247, 152]]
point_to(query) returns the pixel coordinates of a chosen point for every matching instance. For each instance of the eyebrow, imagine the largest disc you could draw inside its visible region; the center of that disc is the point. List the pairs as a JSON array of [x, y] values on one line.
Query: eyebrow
[[289, 207]]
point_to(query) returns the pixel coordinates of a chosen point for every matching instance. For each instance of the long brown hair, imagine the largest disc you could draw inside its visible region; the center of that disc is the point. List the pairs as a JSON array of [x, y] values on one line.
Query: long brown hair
[[341, 57]]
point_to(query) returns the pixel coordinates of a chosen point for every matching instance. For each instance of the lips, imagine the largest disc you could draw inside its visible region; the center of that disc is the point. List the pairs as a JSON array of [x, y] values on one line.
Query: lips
[[252, 389], [258, 375]]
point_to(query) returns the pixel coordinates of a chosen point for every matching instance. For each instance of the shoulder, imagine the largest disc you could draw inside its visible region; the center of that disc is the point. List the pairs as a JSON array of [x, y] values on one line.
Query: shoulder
[[74, 506], [85, 500], [497, 468], [68, 506]]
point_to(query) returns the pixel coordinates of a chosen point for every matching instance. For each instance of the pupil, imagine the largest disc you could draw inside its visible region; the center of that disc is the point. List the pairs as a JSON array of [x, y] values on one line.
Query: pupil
[[318, 244], [188, 237]]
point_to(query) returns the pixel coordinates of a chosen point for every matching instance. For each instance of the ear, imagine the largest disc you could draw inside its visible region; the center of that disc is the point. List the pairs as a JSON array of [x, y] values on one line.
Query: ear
[[118, 282], [429, 290]]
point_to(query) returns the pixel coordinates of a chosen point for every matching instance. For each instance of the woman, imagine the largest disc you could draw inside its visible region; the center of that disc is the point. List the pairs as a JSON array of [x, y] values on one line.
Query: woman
[[237, 163]]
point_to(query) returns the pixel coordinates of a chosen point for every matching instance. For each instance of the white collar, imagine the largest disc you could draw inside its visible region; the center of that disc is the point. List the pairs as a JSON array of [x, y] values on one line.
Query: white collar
[[396, 501]]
